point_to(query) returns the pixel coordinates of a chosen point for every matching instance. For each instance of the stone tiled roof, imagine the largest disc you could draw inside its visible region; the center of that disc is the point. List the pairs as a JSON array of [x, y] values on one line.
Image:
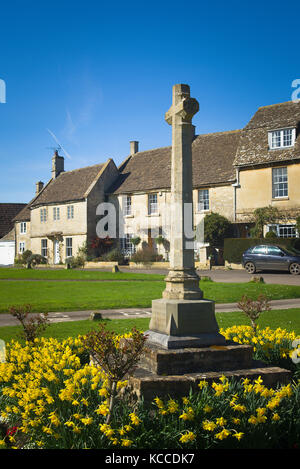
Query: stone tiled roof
[[253, 147], [7, 213], [23, 215], [68, 186], [213, 156]]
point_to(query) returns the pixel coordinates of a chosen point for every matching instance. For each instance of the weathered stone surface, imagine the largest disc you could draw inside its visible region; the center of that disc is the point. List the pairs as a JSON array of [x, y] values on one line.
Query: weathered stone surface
[[190, 360], [147, 385], [183, 321], [182, 281]]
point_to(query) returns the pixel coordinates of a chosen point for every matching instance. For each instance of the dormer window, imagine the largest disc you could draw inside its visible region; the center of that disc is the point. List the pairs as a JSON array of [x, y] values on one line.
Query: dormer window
[[282, 138]]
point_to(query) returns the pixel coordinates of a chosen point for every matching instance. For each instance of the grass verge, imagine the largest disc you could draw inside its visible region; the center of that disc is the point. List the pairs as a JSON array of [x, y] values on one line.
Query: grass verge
[[81, 295], [288, 319]]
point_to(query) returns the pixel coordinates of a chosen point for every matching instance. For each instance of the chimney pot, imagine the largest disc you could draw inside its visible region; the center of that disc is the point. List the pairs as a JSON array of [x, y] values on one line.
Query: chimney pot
[[134, 147]]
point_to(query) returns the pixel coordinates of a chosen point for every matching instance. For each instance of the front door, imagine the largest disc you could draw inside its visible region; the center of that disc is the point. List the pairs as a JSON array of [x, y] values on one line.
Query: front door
[[56, 252]]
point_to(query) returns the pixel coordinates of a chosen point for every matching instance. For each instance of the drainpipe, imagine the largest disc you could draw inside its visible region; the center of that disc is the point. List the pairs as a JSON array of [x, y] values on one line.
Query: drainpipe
[[235, 186]]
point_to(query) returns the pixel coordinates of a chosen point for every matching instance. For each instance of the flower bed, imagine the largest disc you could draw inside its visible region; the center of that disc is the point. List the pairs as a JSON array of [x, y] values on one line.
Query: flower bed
[[52, 397]]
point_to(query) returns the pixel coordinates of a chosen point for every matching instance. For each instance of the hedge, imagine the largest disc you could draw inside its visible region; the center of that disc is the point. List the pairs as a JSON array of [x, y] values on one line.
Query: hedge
[[234, 247]]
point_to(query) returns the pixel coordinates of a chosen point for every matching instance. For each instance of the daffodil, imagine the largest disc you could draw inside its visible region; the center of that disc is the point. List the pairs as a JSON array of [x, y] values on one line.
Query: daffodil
[[187, 437]]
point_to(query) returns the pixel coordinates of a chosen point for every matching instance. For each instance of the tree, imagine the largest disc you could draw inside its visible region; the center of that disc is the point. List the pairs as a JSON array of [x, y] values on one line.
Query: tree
[[263, 216], [216, 228]]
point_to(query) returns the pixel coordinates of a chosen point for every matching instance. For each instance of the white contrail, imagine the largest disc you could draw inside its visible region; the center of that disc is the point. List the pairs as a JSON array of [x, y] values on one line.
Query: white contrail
[[57, 141]]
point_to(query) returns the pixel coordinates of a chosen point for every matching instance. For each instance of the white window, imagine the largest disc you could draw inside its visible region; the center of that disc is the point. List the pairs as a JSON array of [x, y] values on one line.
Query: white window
[[43, 215], [21, 247], [282, 138], [126, 245], [203, 200], [56, 213], [44, 247], [70, 211], [284, 231], [69, 247], [279, 182], [152, 204], [127, 205], [23, 227]]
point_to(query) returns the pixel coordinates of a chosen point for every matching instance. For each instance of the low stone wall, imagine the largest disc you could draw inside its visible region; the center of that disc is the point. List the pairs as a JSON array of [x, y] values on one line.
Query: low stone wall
[[99, 265], [231, 265], [150, 265]]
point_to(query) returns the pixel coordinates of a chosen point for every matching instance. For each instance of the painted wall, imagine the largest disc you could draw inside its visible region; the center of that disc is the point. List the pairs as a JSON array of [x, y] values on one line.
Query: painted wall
[[256, 191]]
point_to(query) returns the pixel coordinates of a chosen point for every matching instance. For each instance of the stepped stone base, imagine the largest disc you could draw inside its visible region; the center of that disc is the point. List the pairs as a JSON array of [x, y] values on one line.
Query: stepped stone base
[[147, 385], [174, 373]]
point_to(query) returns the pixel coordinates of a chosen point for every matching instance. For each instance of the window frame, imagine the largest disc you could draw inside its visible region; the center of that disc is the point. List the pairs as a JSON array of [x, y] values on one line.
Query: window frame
[[56, 213], [23, 227], [281, 138], [69, 247], [126, 247], [279, 230], [153, 206], [204, 200], [128, 206], [275, 185], [43, 215], [44, 249], [21, 247], [70, 212]]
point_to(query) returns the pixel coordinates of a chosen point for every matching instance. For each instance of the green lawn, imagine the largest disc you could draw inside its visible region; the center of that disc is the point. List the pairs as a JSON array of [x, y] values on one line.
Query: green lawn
[[72, 274], [286, 319], [46, 295]]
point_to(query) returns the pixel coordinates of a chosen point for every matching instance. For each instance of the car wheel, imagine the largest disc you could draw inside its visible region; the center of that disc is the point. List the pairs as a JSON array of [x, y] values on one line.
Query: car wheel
[[294, 269], [250, 267]]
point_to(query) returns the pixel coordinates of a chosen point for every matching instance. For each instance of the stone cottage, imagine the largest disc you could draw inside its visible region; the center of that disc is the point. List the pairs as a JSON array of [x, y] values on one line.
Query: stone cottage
[[234, 172]]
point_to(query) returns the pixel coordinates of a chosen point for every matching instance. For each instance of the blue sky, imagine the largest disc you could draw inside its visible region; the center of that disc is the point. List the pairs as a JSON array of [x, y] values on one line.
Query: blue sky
[[94, 75]]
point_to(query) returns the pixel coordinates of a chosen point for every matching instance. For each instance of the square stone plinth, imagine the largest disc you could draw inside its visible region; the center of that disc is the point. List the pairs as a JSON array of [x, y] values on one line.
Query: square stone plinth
[[190, 360], [177, 324]]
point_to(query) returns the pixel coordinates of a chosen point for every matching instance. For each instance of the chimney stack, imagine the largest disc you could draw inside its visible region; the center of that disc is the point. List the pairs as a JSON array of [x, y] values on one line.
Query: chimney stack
[[58, 165], [134, 147], [38, 187]]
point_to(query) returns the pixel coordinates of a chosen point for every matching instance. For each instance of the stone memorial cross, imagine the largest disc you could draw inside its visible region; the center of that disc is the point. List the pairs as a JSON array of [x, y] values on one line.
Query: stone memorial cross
[[182, 318], [182, 281]]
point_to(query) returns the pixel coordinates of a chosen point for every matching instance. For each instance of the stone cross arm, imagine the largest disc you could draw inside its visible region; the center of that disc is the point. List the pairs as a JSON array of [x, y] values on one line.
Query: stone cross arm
[[185, 109]]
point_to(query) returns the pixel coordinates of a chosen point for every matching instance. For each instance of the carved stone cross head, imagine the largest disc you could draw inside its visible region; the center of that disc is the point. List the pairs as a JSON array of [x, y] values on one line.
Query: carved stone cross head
[[183, 106]]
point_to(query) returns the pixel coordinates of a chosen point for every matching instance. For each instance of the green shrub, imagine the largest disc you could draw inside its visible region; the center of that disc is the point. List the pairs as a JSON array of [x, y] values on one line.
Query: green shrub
[[75, 262], [216, 229], [35, 259], [115, 255], [270, 235], [146, 255], [26, 256]]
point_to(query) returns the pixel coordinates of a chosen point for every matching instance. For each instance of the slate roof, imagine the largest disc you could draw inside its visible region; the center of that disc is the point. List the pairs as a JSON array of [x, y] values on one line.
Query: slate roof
[[68, 186], [253, 148], [213, 156], [7, 213]]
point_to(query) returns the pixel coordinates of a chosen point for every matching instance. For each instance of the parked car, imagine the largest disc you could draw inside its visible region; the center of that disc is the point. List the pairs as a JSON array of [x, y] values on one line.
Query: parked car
[[270, 258]]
